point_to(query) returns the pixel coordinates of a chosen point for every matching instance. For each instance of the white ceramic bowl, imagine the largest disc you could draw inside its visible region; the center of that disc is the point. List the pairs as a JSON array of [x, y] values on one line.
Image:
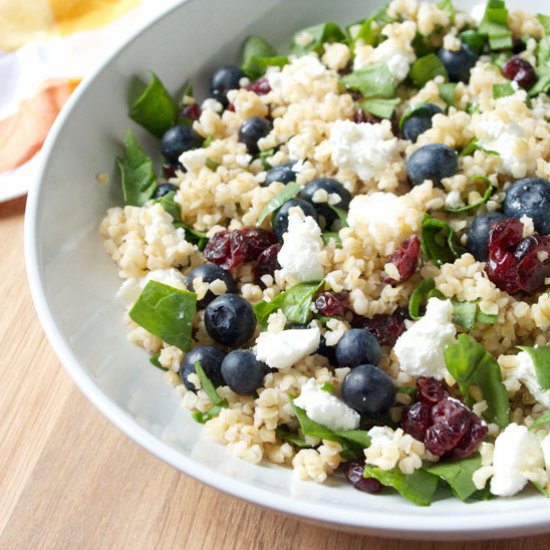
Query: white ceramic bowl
[[73, 281]]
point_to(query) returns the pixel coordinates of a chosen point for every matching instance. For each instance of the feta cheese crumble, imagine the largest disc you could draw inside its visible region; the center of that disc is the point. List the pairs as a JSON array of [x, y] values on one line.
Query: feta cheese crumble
[[526, 374], [283, 349], [194, 159], [299, 255], [366, 149], [419, 350], [326, 409]]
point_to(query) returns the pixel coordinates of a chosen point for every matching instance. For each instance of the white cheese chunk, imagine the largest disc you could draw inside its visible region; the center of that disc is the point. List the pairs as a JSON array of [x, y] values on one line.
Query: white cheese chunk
[[366, 149], [326, 409], [283, 349], [194, 159], [299, 255], [526, 374], [419, 350], [518, 457]]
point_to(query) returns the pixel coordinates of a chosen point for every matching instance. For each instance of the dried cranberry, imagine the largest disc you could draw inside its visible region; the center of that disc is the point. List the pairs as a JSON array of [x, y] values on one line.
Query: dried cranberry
[[354, 474], [169, 170], [450, 421], [519, 70], [257, 240], [259, 87], [505, 234], [416, 419], [386, 328], [231, 107], [267, 262], [405, 258], [332, 303], [534, 268], [362, 116], [471, 439], [430, 390], [192, 111]]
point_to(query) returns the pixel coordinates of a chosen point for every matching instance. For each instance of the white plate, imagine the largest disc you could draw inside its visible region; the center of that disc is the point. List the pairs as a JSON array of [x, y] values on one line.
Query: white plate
[[73, 282]]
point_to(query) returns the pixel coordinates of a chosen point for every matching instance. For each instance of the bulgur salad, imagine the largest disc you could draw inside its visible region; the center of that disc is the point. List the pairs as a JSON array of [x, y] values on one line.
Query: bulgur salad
[[343, 263]]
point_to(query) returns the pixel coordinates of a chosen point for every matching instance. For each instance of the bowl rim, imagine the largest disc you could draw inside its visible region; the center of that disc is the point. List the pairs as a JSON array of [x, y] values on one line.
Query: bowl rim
[[367, 520]]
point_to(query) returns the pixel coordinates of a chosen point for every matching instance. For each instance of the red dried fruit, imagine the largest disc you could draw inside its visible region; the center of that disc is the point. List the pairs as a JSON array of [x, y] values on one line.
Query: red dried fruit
[[231, 107], [332, 303], [405, 258], [257, 241], [471, 439], [386, 328], [450, 422], [361, 117], [267, 263], [259, 87], [354, 474], [192, 111], [416, 419], [430, 390], [533, 254], [519, 70], [169, 170]]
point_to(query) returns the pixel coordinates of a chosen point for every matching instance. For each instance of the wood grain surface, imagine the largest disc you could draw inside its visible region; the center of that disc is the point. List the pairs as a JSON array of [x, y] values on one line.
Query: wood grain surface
[[70, 480]]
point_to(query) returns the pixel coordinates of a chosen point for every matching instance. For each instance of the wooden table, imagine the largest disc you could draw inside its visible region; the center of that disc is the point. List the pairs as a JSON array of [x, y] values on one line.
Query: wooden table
[[70, 480]]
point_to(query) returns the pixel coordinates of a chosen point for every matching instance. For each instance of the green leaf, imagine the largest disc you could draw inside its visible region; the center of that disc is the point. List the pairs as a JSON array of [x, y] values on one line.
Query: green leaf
[[352, 441], [543, 51], [543, 81], [173, 208], [543, 420], [471, 365], [419, 297], [503, 90], [154, 360], [328, 236], [466, 314], [136, 172], [294, 302], [495, 25], [486, 196], [541, 360], [545, 22], [373, 81], [328, 387], [256, 46], [420, 109], [427, 68], [407, 390], [263, 156], [166, 312], [155, 109], [342, 215], [217, 402], [475, 146], [418, 487], [438, 241], [379, 107], [447, 93], [422, 45], [448, 6], [320, 34], [458, 474], [290, 190], [370, 30], [258, 55], [474, 40], [283, 432]]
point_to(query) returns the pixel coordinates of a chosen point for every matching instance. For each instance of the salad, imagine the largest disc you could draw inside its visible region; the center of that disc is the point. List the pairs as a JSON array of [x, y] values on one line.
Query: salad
[[342, 262]]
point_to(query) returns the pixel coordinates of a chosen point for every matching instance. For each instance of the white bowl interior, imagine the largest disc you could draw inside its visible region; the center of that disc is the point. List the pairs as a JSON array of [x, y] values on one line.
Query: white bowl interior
[[74, 281]]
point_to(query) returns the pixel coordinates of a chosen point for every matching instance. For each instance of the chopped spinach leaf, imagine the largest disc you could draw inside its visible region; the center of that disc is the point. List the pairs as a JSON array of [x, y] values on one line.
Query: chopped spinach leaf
[[258, 55], [407, 390], [373, 81], [370, 30], [503, 90], [541, 361], [217, 402], [474, 40], [420, 295], [136, 172], [545, 22], [166, 312], [447, 93], [283, 432], [328, 387], [328, 236], [427, 68], [379, 107], [486, 196], [341, 214], [471, 365], [543, 420], [543, 81], [154, 360], [257, 66], [410, 113], [290, 190], [458, 474], [448, 6], [475, 146], [466, 314], [312, 39], [155, 109], [418, 487], [495, 25], [263, 156], [438, 241], [294, 302]]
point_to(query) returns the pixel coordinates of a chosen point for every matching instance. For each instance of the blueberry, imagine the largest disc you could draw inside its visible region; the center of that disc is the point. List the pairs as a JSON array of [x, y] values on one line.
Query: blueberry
[[280, 219], [432, 162], [210, 358], [252, 130], [242, 372], [209, 273], [331, 186], [358, 346], [478, 237], [368, 390], [230, 320], [530, 197], [177, 140], [420, 121], [222, 80], [458, 64], [283, 173], [164, 189]]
